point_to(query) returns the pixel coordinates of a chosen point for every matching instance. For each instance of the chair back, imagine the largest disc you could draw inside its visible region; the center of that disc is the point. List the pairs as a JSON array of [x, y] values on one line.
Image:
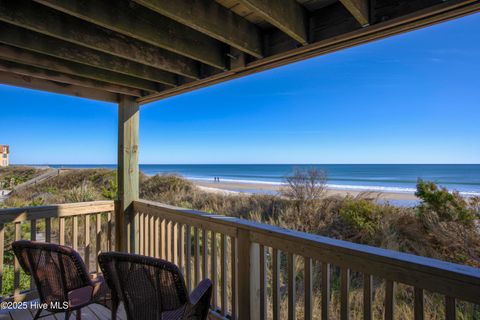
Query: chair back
[[55, 269], [147, 286]]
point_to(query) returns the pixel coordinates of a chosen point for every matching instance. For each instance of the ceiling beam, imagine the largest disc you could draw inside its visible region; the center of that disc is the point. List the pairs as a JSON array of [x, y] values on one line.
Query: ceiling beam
[[22, 38], [359, 10], [50, 63], [142, 24], [212, 19], [56, 87], [26, 70], [286, 15], [336, 41], [53, 23]]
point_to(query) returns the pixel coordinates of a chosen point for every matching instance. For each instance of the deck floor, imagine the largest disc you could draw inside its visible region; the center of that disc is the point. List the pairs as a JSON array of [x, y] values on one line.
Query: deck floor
[[91, 312]]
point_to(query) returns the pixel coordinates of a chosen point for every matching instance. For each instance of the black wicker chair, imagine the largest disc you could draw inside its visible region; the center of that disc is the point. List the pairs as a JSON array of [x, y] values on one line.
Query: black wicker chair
[[61, 277], [153, 289]]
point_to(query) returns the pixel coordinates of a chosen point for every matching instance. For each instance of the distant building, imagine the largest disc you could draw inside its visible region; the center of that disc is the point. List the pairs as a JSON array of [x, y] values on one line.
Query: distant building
[[4, 156]]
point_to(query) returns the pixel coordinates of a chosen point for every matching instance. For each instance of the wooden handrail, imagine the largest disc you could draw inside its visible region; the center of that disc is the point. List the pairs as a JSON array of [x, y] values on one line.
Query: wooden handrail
[[54, 211], [452, 280]]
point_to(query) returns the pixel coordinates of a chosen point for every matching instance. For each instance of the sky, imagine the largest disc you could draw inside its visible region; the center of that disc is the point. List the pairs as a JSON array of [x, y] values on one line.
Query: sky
[[412, 98]]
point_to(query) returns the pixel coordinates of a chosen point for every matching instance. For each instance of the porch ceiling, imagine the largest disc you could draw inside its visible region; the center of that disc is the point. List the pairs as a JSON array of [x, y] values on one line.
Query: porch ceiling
[[153, 49]]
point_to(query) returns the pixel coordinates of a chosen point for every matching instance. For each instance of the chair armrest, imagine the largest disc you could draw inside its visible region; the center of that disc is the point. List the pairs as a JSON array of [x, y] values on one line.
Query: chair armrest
[[80, 296], [203, 288]]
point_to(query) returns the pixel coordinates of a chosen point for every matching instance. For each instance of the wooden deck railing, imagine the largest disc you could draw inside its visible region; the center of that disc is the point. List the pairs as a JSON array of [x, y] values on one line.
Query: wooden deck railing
[[86, 226], [258, 269]]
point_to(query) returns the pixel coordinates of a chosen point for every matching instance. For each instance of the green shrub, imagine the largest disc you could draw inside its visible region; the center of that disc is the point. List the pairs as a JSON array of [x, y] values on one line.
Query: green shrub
[[8, 277], [438, 203], [110, 191], [362, 214]]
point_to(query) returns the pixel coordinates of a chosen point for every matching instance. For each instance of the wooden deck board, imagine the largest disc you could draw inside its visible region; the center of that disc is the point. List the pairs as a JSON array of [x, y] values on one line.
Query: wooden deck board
[[92, 312]]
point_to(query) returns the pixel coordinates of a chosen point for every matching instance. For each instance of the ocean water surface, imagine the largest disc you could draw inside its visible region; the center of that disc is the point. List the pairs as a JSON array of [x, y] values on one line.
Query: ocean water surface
[[464, 178]]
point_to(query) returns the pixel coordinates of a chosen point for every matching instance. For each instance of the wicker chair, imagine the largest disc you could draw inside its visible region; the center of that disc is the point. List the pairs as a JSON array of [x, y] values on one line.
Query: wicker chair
[[153, 289], [61, 277]]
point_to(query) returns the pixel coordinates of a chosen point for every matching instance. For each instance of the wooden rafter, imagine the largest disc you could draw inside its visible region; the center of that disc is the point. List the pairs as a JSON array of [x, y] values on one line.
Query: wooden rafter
[[56, 87], [18, 37], [213, 20], [153, 49], [144, 25], [286, 15], [418, 19], [50, 22], [359, 10], [31, 71], [67, 67]]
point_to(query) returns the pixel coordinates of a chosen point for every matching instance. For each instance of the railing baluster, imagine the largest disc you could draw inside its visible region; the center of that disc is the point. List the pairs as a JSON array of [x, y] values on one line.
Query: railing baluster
[[367, 297], [325, 290], [276, 283], [418, 303], [146, 233], [181, 247], [48, 230], [197, 257], [308, 287], [344, 289], [174, 243], [2, 248], [151, 236], [157, 235], [213, 269], [98, 240], [233, 269], [61, 231], [163, 241], [16, 266], [263, 282], [168, 244], [223, 270], [291, 287], [450, 308], [109, 232], [141, 233], [389, 299], [33, 230], [188, 262], [87, 242], [75, 233], [205, 253], [33, 237]]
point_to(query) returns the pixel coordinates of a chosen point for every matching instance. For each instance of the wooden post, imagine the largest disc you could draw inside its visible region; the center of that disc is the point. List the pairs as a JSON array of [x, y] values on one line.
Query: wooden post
[[126, 225], [248, 277]]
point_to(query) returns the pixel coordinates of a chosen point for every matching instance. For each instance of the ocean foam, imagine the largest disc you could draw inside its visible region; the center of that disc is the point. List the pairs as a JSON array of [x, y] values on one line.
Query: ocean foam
[[359, 188]]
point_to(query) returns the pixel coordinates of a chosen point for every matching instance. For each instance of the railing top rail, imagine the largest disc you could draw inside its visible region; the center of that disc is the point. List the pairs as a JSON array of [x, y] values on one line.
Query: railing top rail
[[440, 276], [54, 211]]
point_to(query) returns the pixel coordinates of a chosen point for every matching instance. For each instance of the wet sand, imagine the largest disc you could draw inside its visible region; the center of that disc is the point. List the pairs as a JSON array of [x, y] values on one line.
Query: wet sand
[[228, 187]]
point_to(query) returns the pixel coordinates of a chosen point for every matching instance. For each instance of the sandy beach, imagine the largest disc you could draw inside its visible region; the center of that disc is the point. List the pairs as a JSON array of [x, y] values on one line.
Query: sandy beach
[[229, 187]]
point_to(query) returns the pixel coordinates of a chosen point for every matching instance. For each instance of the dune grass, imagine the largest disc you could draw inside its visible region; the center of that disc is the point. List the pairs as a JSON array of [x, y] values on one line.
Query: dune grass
[[442, 226]]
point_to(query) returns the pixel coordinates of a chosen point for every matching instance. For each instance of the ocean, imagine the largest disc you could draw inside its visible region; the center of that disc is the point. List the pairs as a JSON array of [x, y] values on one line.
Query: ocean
[[402, 178]]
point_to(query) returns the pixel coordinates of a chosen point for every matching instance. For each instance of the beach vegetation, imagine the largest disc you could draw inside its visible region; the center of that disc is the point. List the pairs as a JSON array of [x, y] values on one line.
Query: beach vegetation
[[110, 190], [361, 214], [442, 205], [443, 225], [12, 176]]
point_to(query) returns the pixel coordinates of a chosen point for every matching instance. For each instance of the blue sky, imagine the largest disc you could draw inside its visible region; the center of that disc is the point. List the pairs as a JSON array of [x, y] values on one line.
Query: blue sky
[[413, 98]]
